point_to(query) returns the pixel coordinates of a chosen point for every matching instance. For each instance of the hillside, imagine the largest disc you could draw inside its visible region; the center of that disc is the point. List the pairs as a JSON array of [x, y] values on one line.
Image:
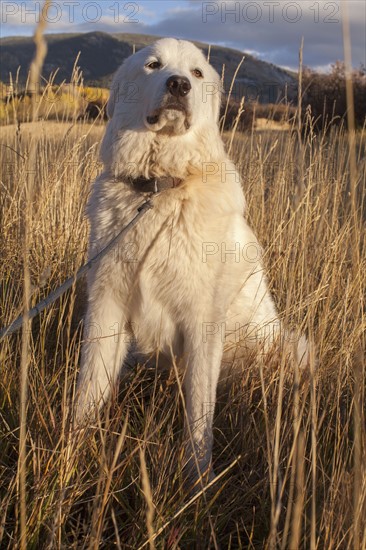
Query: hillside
[[102, 53]]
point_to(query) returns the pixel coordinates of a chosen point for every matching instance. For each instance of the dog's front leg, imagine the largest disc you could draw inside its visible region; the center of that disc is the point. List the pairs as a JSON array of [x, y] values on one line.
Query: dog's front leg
[[104, 349], [203, 359]]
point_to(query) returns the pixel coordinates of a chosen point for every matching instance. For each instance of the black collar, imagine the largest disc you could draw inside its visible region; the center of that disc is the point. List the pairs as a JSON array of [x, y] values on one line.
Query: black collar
[[153, 185]]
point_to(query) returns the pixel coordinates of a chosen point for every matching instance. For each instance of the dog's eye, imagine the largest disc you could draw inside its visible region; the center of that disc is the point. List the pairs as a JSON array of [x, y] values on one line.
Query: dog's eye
[[153, 65], [197, 73]]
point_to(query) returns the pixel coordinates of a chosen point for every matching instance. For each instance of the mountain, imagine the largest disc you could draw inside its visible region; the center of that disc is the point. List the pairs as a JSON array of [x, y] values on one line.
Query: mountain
[[102, 53]]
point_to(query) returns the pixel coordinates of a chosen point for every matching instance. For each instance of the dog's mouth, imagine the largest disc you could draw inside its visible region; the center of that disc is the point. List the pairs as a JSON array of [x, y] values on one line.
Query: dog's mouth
[[154, 118], [173, 117]]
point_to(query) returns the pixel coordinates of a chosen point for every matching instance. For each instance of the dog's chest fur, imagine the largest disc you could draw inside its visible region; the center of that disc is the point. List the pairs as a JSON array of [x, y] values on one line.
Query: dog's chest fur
[[162, 266]]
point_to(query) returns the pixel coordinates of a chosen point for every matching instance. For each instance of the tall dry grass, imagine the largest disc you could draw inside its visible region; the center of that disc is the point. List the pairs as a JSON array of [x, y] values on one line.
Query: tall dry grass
[[285, 437]]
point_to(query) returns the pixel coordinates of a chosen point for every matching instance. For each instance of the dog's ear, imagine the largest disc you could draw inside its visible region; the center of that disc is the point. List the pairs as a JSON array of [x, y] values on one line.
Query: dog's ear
[[119, 86], [115, 91], [111, 103]]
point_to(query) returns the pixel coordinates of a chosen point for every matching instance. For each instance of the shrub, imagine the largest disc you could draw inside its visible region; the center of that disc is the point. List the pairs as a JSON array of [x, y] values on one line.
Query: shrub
[[326, 95]]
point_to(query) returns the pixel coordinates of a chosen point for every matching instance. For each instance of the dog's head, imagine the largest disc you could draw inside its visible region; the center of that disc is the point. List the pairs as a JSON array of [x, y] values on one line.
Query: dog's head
[[167, 87], [164, 109]]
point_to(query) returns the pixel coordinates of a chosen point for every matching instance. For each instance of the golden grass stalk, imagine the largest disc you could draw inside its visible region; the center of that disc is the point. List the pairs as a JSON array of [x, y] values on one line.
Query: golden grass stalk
[[300, 494], [235, 125], [35, 73], [314, 434], [150, 511], [39, 57], [358, 306], [208, 53], [230, 91], [299, 100]]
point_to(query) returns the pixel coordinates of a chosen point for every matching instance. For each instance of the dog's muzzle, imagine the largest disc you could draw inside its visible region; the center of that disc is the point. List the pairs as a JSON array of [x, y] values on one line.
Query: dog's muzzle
[[177, 89]]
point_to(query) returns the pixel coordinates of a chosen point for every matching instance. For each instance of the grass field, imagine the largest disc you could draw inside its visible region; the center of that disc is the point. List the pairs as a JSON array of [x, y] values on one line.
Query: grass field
[[286, 438]]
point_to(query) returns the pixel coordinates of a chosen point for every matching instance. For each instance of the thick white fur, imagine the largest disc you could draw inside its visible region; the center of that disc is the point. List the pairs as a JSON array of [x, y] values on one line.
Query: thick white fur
[[189, 281]]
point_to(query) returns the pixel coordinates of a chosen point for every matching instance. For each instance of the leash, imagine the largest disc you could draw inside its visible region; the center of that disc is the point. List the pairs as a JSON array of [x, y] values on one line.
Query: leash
[[53, 296]]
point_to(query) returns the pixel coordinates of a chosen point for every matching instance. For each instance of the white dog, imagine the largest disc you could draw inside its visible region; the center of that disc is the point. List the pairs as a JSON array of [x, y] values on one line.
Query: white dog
[[189, 281]]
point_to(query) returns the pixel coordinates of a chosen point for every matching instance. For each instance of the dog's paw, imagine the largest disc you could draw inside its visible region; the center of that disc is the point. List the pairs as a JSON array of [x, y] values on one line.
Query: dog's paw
[[194, 485], [197, 475], [85, 411]]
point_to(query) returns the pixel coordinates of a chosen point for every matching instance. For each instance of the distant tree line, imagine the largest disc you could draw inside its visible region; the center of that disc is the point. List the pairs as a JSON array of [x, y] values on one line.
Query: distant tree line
[[325, 93], [323, 96]]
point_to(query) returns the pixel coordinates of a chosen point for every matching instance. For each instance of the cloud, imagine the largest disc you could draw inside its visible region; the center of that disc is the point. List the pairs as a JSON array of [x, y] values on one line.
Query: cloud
[[273, 29], [270, 28]]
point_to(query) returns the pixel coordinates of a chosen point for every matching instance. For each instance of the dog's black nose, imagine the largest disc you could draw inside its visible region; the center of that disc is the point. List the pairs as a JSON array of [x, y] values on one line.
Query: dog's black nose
[[178, 85]]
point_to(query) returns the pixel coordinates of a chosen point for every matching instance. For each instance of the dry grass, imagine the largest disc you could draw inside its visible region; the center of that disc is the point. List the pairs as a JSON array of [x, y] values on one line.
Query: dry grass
[[288, 436]]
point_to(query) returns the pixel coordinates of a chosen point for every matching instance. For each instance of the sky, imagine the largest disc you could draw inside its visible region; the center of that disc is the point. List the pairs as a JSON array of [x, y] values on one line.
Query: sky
[[269, 29]]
